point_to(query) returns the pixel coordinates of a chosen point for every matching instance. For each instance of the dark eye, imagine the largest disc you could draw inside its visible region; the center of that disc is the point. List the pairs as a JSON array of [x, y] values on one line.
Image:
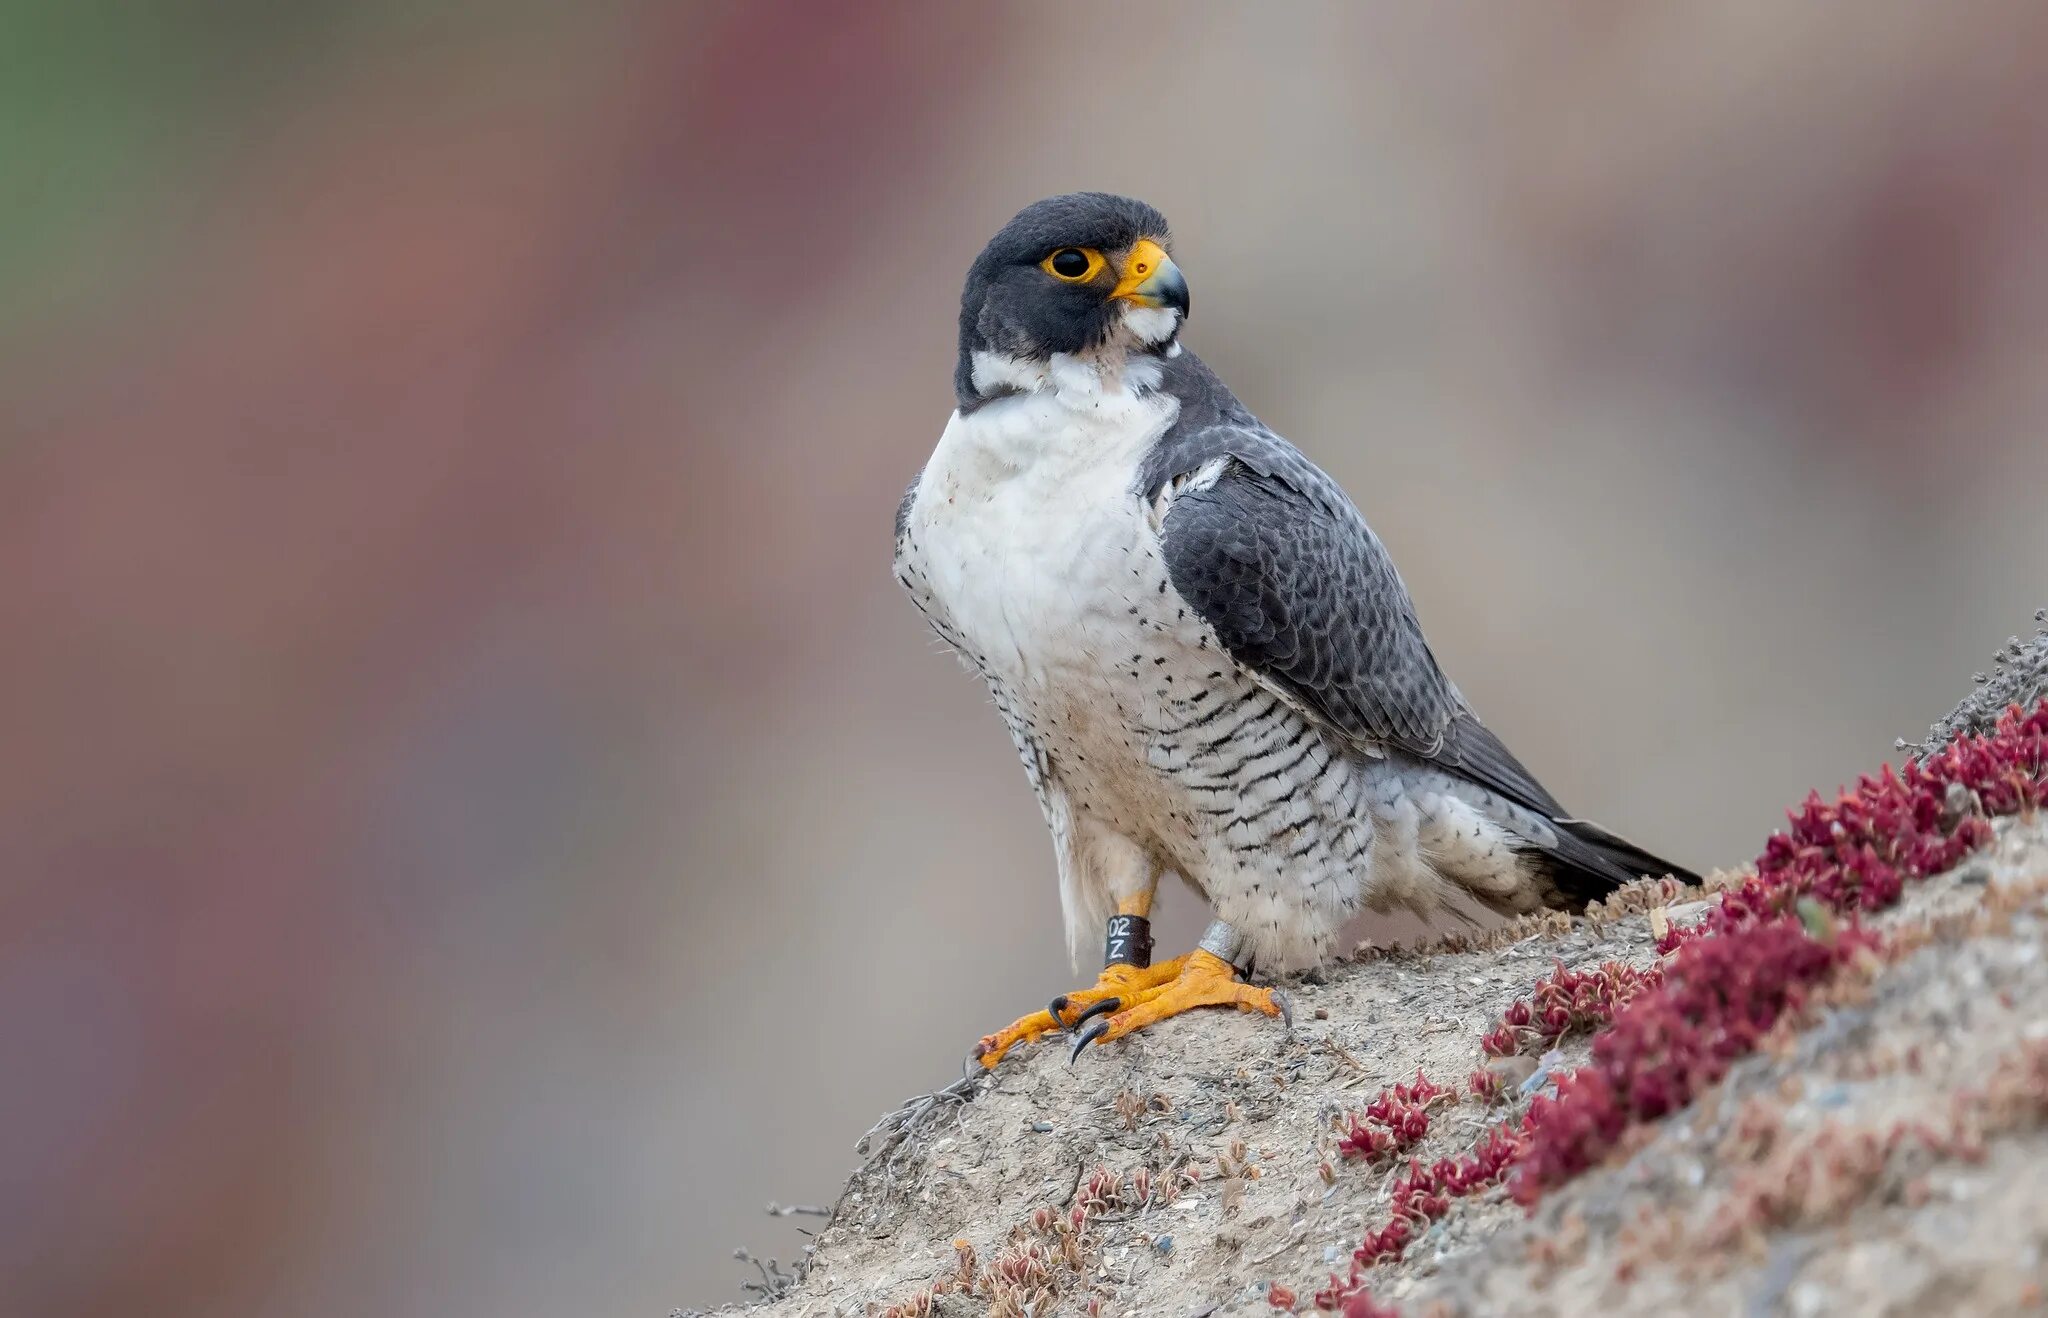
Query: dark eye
[[1074, 265]]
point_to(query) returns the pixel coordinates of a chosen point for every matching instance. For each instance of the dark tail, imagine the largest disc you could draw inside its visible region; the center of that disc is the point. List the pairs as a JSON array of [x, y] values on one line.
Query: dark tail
[[1589, 862]]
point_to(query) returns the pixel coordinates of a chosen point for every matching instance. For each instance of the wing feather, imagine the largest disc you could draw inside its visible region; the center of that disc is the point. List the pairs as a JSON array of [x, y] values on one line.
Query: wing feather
[[1302, 594]]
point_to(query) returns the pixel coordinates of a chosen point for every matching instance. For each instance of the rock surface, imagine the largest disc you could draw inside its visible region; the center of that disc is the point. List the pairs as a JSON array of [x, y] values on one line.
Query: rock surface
[[2018, 676], [1884, 1152]]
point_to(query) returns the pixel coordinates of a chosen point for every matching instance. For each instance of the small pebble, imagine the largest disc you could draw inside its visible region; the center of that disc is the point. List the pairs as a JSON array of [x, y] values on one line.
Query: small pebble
[[1041, 1127], [1686, 913], [1541, 1075], [1807, 1300], [1512, 1070], [1537, 1079]]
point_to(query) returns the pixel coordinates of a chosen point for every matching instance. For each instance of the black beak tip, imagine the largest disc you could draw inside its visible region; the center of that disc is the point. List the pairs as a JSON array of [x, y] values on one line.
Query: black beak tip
[[1173, 291]]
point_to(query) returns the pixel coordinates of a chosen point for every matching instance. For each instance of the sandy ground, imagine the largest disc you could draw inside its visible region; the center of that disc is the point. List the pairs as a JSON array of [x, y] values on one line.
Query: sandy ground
[[1886, 1156]]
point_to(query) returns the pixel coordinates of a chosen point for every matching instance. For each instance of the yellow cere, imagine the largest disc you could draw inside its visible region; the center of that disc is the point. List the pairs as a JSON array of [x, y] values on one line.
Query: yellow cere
[[1143, 262]]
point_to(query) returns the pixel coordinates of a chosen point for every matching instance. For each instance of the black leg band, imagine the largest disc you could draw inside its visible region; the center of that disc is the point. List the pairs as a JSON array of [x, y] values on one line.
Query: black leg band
[[1129, 942]]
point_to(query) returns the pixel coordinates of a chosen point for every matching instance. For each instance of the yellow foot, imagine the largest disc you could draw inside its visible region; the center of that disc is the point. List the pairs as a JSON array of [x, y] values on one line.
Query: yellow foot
[[1205, 980], [1115, 988]]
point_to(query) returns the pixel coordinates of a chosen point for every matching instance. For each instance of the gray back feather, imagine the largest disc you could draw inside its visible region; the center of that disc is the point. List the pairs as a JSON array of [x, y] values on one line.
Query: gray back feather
[[1301, 592]]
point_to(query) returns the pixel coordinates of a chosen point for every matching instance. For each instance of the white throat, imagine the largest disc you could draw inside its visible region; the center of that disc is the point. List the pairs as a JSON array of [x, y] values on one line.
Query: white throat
[[1127, 366]]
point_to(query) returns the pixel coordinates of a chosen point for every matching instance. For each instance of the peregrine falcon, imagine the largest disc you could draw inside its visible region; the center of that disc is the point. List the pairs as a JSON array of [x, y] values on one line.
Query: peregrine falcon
[[1205, 657]]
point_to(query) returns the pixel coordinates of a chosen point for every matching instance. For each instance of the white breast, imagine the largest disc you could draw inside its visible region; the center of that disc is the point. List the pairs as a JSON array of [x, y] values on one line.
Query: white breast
[[1030, 547], [1024, 522]]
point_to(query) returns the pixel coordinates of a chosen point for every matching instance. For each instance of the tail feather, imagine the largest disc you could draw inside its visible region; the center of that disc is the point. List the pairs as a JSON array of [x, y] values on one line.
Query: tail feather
[[1589, 862], [1626, 854]]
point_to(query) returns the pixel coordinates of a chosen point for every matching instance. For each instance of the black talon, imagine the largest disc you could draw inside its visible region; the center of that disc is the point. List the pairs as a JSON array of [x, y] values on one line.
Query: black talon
[[1054, 1008], [1088, 1036], [1094, 1009], [1286, 1010]]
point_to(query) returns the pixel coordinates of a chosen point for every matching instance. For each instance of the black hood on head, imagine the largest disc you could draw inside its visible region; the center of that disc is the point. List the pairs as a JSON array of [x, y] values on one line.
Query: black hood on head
[[1011, 306]]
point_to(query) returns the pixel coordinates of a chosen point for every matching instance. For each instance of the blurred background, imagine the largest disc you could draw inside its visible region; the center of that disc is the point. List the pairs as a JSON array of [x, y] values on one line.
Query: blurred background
[[476, 818]]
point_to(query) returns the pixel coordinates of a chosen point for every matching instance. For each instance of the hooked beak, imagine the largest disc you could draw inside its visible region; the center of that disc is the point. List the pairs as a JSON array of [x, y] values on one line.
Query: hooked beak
[[1149, 278]]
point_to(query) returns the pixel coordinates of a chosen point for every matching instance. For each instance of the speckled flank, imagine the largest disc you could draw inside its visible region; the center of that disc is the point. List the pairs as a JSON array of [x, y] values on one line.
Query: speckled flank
[[1150, 748], [1027, 545]]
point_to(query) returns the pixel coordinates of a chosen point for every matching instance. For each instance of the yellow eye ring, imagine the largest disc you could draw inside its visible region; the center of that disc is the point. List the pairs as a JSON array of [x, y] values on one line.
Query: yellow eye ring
[[1073, 265]]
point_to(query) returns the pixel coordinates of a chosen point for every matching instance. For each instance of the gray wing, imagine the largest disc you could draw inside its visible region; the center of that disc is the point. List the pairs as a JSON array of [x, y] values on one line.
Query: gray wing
[[1301, 592]]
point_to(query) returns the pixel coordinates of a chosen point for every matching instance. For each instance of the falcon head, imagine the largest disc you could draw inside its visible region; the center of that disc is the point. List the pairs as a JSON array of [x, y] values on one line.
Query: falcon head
[[1074, 274]]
